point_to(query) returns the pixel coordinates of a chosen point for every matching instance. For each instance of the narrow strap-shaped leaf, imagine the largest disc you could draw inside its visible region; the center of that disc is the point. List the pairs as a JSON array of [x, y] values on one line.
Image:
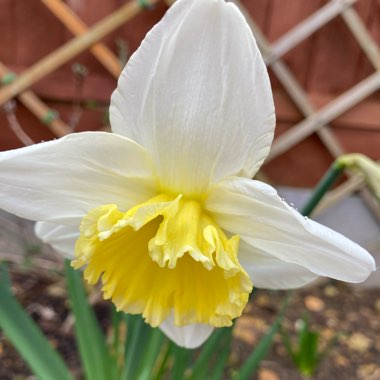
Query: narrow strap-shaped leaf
[[117, 342], [165, 355], [181, 360], [309, 353], [138, 334], [96, 358], [26, 336], [116, 319], [215, 343], [261, 350], [223, 354], [322, 187], [151, 355]]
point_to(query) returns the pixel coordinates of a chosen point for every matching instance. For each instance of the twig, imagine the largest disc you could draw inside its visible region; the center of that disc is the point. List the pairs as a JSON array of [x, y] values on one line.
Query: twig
[[71, 49], [80, 74], [122, 51], [9, 109]]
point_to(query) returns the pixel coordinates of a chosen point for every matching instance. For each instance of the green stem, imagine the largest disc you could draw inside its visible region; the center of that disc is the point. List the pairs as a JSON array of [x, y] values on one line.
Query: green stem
[[252, 363], [27, 337], [323, 186], [116, 319]]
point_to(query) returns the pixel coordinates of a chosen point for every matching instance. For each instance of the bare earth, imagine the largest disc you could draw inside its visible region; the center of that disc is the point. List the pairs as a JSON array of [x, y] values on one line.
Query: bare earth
[[332, 307]]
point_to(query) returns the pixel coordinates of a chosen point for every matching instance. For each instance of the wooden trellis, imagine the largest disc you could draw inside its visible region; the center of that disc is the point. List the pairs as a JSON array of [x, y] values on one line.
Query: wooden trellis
[[85, 39], [318, 121], [315, 121]]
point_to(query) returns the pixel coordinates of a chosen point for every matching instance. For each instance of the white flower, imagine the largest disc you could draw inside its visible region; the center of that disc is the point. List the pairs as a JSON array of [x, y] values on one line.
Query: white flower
[[163, 209]]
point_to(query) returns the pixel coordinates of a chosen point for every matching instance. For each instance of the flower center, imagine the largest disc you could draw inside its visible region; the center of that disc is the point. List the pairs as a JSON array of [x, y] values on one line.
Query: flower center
[[166, 255]]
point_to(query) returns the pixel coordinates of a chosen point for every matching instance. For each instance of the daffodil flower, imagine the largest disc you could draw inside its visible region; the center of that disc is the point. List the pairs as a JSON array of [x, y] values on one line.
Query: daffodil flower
[[163, 210]]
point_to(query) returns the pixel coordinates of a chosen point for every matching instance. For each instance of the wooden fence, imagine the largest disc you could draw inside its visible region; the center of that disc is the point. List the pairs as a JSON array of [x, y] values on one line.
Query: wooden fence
[[323, 58]]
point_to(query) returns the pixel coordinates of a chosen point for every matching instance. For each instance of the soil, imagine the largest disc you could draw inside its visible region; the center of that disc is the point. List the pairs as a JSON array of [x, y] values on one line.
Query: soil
[[332, 308]]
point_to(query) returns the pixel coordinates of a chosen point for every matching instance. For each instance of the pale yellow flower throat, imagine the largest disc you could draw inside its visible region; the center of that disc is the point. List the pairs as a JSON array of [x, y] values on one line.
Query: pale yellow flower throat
[[164, 256]]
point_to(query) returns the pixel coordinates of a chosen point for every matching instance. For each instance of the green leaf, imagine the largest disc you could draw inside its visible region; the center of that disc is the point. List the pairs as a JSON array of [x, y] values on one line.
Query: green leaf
[[223, 354], [137, 337], [309, 353], [181, 361], [305, 354], [219, 340], [151, 354], [96, 358], [307, 348], [330, 177], [117, 343], [254, 360], [27, 337], [163, 360]]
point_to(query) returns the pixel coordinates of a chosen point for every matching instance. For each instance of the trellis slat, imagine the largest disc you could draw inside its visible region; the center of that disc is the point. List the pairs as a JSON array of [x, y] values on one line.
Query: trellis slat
[[76, 26], [325, 115], [39, 108], [363, 37], [307, 27], [72, 48]]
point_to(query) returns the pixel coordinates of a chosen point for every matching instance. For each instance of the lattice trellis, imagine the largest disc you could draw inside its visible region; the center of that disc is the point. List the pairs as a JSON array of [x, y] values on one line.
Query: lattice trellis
[[315, 121], [86, 38]]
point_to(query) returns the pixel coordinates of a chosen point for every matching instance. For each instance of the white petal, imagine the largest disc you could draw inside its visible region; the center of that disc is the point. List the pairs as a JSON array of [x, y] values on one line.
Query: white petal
[[197, 96], [254, 211], [61, 238], [190, 336], [268, 272], [61, 180]]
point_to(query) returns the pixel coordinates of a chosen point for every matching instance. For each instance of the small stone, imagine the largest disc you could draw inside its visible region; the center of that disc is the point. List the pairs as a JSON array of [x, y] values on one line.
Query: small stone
[[331, 313], [262, 300], [368, 372], [341, 360], [377, 305], [331, 291], [267, 374], [359, 342], [261, 325], [328, 333], [332, 323], [56, 290], [245, 330], [313, 303]]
